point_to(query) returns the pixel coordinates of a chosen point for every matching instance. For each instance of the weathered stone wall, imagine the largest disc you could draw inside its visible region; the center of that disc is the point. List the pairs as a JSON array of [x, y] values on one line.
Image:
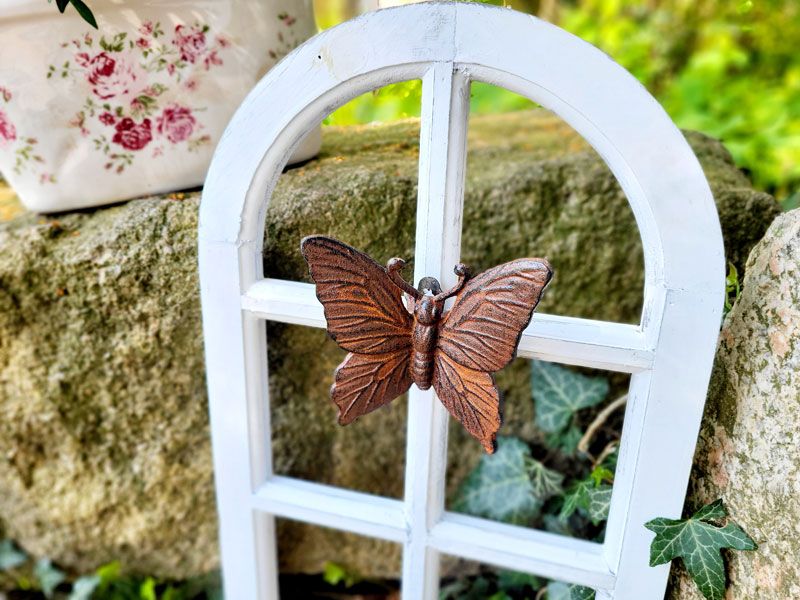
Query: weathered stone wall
[[748, 452], [104, 450]]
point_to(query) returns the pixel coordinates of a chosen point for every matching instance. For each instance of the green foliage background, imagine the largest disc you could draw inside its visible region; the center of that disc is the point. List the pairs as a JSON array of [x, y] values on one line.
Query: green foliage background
[[729, 68]]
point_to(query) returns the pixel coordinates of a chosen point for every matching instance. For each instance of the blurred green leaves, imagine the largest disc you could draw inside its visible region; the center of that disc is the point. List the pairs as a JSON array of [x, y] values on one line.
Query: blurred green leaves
[[403, 100], [20, 572], [728, 69], [557, 590], [49, 577], [335, 574], [10, 555]]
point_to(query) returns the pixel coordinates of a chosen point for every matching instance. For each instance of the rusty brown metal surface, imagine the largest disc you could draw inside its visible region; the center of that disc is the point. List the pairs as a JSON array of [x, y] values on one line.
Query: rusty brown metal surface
[[393, 343]]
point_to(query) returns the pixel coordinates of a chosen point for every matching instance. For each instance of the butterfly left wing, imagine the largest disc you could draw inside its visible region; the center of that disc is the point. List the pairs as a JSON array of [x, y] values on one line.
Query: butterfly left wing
[[365, 382], [364, 309], [471, 397], [482, 329]]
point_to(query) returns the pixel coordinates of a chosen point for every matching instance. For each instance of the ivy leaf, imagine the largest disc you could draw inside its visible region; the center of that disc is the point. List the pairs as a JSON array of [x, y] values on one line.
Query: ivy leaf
[[556, 590], [575, 497], [593, 500], [84, 587], [500, 487], [599, 503], [555, 524], [558, 393], [545, 482], [49, 577], [466, 589], [514, 581], [699, 540], [600, 474], [109, 572], [334, 574], [10, 555], [579, 592], [85, 12], [147, 589], [566, 441]]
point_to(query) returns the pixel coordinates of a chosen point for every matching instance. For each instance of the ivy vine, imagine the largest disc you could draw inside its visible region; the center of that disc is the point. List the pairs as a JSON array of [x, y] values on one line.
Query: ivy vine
[[564, 483]]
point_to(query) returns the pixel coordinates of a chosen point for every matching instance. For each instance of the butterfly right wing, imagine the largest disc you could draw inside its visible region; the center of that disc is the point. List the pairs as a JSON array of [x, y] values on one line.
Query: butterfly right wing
[[364, 382], [471, 397], [363, 307], [478, 336], [482, 329]]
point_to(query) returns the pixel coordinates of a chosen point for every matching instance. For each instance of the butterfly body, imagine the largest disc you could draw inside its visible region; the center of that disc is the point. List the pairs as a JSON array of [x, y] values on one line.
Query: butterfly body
[[393, 344], [427, 314]]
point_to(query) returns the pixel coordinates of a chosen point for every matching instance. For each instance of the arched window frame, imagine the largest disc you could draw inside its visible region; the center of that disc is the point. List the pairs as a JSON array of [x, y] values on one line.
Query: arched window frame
[[669, 354]]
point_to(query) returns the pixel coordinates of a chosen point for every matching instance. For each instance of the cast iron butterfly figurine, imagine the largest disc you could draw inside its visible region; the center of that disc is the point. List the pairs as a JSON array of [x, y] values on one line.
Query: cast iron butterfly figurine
[[392, 346]]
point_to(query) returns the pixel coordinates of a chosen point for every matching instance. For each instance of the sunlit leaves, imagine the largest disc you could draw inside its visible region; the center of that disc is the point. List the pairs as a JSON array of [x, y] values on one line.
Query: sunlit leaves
[[108, 581], [729, 70], [336, 574], [698, 541]]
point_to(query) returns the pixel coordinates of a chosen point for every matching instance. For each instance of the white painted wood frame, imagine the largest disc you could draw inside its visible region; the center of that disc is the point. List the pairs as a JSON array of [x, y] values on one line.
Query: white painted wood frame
[[669, 354]]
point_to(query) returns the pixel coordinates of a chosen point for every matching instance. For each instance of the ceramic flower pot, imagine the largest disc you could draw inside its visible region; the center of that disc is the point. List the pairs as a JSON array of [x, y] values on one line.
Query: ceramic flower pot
[[93, 117]]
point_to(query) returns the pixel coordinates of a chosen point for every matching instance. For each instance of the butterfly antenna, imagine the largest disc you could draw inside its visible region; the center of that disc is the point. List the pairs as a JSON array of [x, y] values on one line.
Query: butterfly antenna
[[394, 266], [463, 273]]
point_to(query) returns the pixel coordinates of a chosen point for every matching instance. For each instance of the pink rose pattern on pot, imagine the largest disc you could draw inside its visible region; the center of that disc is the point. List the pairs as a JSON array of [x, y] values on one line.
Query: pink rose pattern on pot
[[26, 156], [190, 42], [8, 133], [131, 135], [176, 123], [110, 77], [107, 118], [129, 77], [133, 79]]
